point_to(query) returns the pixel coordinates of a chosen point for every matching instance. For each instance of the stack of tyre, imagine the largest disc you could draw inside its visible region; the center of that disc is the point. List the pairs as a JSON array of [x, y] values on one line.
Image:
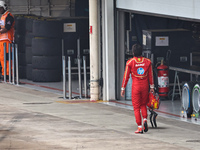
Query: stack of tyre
[[191, 98], [23, 37], [28, 45], [47, 50], [20, 25]]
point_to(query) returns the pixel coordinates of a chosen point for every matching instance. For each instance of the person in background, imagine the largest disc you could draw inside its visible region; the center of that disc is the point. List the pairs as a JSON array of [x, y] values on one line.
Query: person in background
[[6, 33], [141, 72]]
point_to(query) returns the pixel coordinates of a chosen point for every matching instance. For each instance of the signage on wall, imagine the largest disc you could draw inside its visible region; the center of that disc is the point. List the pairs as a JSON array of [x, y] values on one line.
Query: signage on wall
[[69, 27], [162, 41]]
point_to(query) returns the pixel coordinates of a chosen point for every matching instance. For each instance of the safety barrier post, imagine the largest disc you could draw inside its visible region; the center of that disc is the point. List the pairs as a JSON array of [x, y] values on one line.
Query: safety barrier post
[[9, 62], [64, 76], [5, 46], [79, 78], [69, 78], [85, 75], [11, 57], [17, 65], [79, 68], [13, 64]]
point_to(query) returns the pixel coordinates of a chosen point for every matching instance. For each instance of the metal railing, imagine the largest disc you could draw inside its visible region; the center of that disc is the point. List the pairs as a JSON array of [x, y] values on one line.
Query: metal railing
[[69, 72], [13, 76], [80, 71]]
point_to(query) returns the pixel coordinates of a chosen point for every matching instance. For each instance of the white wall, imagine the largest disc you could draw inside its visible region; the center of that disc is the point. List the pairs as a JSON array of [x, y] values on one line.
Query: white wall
[[188, 9]]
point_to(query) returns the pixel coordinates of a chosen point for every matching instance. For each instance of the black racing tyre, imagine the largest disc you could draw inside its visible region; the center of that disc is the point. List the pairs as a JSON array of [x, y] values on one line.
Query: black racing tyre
[[47, 28], [187, 98], [29, 71], [20, 41], [29, 22], [19, 38], [46, 47], [22, 72], [22, 59], [28, 55], [28, 38], [20, 25], [41, 75], [196, 98], [46, 62], [21, 48]]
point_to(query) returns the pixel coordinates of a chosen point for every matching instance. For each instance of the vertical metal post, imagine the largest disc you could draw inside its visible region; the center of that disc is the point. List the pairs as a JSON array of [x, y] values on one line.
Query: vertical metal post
[[69, 78], [13, 63], [179, 87], [63, 48], [49, 7], [29, 5], [152, 58], [78, 48], [191, 65], [79, 77], [5, 46], [64, 76], [79, 68], [17, 65], [85, 75], [175, 78], [9, 61]]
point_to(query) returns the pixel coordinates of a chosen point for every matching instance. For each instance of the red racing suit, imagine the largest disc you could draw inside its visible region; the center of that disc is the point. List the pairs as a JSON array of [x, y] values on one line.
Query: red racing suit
[[141, 72]]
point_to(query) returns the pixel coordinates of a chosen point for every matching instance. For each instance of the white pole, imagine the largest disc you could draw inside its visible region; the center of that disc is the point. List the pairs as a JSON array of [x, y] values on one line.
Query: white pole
[[17, 65], [64, 76], [94, 51], [108, 50]]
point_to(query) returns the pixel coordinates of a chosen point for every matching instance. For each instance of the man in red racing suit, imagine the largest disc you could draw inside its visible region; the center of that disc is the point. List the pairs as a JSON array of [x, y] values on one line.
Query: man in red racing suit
[[141, 72]]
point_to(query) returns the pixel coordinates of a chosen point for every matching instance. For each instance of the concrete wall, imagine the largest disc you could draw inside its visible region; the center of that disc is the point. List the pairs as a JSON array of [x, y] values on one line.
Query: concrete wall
[[186, 9], [47, 8]]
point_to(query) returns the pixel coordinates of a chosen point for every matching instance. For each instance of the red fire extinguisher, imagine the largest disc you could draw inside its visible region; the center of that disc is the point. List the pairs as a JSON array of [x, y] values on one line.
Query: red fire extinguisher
[[163, 80]]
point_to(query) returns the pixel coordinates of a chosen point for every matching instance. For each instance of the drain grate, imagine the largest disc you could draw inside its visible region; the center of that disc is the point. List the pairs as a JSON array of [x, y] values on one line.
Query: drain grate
[[193, 141]]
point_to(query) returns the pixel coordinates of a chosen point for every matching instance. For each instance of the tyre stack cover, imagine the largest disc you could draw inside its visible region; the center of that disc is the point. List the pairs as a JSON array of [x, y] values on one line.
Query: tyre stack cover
[[196, 98], [47, 50], [187, 98]]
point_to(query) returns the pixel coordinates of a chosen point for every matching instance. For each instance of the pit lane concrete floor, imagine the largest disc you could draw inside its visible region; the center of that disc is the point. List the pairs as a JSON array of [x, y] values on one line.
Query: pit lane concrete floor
[[33, 119], [168, 108]]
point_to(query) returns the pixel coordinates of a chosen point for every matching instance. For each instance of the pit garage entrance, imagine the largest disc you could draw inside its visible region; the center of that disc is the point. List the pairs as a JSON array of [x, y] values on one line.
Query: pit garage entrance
[[169, 32]]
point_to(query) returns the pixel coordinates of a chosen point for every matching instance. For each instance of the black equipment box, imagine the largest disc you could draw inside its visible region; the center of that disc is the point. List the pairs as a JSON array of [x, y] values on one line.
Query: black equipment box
[[172, 45], [75, 28]]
